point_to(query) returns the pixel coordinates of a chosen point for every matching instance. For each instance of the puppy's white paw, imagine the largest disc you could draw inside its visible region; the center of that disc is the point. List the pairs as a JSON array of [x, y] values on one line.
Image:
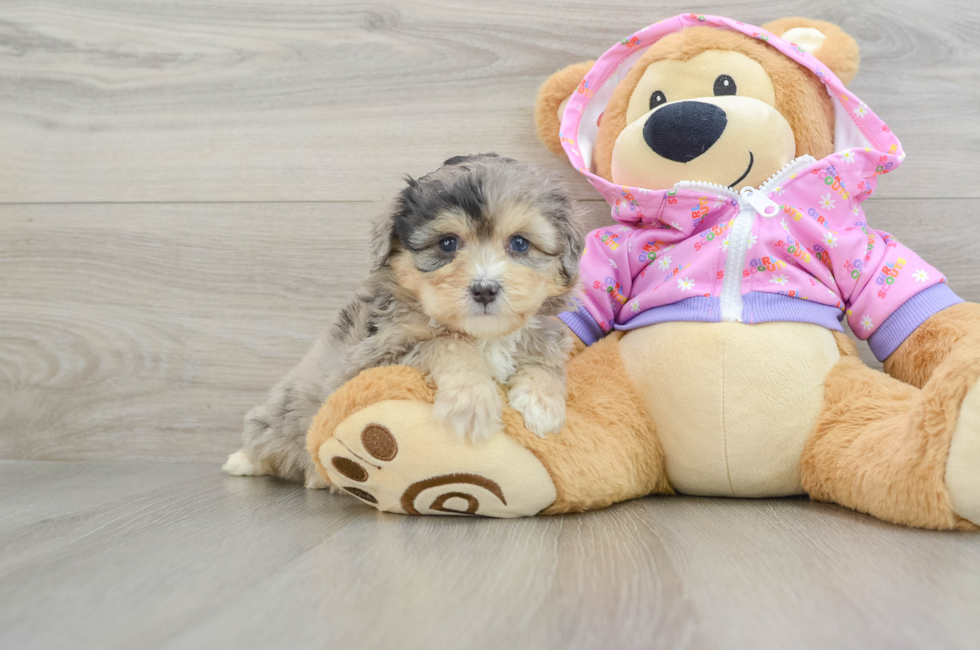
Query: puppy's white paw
[[543, 408], [472, 408], [239, 464], [315, 482]]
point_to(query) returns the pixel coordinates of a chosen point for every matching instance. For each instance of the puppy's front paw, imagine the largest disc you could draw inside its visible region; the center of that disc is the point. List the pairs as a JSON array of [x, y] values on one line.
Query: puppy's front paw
[[543, 407], [471, 408]]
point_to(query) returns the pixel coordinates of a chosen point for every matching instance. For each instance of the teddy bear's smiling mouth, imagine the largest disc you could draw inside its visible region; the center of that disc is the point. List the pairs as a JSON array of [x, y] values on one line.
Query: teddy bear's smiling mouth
[[747, 170]]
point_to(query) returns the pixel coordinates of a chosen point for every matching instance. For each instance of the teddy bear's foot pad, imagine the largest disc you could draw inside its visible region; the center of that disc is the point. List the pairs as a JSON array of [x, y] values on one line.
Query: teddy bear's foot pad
[[963, 465], [395, 456]]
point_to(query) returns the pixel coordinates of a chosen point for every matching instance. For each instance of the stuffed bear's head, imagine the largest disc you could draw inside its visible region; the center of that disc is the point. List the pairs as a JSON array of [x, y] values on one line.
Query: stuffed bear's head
[[706, 104]]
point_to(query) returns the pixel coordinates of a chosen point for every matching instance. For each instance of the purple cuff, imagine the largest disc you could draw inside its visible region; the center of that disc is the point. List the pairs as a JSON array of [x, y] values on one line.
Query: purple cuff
[[582, 323], [907, 318]]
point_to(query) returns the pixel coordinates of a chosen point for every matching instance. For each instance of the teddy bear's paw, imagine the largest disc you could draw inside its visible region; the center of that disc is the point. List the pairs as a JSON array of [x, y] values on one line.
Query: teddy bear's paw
[[398, 457], [543, 406], [963, 465], [239, 464], [472, 408]]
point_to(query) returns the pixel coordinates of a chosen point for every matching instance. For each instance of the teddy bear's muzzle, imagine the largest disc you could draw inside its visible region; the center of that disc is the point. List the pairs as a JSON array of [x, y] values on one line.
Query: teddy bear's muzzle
[[730, 140]]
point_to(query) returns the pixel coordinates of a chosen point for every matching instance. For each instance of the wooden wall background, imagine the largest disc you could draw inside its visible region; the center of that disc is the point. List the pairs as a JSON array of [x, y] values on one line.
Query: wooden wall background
[[184, 186]]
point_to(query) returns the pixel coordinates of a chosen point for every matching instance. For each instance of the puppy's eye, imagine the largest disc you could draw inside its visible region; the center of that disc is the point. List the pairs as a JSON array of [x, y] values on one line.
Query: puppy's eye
[[448, 244], [519, 244], [724, 85], [657, 98]]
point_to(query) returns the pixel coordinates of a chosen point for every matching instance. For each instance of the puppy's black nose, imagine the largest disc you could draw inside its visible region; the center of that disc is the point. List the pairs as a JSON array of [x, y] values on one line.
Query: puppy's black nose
[[682, 131], [485, 291]]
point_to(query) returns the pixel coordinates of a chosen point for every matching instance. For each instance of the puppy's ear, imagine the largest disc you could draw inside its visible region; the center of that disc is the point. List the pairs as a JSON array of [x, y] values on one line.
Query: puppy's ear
[[575, 241], [570, 221], [383, 237], [826, 41], [551, 102]]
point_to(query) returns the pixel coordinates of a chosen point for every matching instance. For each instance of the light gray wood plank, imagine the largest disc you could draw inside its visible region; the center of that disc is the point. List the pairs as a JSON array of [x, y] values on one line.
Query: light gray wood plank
[[259, 100], [147, 331], [173, 555]]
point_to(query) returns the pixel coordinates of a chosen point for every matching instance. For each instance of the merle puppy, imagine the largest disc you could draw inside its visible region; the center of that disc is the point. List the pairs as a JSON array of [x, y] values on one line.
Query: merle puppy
[[471, 264]]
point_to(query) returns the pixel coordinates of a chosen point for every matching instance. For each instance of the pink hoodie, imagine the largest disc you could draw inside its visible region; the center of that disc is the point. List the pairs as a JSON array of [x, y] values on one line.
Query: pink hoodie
[[797, 248]]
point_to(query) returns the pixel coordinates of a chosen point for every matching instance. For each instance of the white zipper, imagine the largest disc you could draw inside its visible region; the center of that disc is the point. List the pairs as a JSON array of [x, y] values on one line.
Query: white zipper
[[751, 201], [788, 170], [738, 246]]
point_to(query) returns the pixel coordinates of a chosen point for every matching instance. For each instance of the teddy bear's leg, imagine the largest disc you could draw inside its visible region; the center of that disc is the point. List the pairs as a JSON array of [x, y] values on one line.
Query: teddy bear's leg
[[378, 439], [942, 351], [882, 446]]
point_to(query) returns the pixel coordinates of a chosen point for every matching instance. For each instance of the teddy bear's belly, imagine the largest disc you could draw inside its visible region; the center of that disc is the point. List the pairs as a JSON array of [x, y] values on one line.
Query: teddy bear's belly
[[733, 403]]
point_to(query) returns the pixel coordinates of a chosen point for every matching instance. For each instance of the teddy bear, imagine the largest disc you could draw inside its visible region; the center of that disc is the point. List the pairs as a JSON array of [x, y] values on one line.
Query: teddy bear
[[710, 358]]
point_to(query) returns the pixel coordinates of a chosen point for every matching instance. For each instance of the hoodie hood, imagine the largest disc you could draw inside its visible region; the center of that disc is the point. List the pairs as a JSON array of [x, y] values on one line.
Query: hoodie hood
[[868, 145]]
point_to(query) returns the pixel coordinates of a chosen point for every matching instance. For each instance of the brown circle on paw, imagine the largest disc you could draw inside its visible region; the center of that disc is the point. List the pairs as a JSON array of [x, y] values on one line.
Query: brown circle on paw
[[417, 488], [379, 442], [472, 504], [363, 495], [350, 469]]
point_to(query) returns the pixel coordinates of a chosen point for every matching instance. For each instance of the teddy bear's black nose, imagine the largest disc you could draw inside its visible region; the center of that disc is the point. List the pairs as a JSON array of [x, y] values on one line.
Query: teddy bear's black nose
[[682, 131]]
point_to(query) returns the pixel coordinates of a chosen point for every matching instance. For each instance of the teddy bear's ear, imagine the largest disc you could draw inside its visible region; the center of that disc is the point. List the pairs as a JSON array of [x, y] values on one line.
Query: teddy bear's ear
[[551, 102], [826, 41]]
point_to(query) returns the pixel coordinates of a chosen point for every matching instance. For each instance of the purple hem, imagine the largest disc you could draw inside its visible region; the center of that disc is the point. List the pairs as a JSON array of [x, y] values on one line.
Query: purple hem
[[700, 309], [762, 307], [584, 326], [907, 318]]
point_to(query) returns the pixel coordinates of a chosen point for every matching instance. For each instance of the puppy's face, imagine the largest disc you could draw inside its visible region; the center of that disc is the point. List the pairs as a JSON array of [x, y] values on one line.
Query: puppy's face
[[486, 243]]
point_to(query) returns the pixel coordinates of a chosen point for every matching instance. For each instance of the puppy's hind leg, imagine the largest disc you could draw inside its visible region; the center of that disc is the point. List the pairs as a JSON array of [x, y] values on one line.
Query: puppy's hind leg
[[275, 440], [275, 432], [239, 464], [246, 461]]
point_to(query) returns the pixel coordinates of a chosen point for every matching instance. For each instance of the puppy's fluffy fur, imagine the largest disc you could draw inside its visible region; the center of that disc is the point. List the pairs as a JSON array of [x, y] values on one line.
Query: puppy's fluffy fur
[[472, 264]]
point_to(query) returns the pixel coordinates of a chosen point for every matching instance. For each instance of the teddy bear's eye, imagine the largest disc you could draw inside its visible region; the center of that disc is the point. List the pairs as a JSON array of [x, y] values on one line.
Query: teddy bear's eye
[[657, 98], [724, 85]]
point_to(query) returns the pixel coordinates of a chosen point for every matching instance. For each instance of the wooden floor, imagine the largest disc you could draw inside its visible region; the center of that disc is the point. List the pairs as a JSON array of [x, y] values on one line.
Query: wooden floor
[[184, 193], [175, 555]]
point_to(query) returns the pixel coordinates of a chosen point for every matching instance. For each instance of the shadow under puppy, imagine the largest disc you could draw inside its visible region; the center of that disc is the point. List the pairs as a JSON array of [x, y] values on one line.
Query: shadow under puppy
[[472, 263]]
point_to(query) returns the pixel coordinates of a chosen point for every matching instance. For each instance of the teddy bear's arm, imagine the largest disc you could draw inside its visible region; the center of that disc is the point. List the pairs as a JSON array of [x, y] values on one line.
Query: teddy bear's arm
[[607, 271], [928, 346]]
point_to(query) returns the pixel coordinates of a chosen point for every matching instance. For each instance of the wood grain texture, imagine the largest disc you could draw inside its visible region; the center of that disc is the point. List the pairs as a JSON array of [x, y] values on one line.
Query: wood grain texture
[[184, 192], [172, 555], [260, 100], [147, 331]]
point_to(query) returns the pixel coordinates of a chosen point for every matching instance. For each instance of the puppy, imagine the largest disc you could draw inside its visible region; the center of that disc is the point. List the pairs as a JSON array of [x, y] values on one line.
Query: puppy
[[472, 262]]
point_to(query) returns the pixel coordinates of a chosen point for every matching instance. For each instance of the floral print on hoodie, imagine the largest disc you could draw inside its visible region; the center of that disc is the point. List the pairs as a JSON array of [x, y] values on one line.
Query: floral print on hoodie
[[802, 250]]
